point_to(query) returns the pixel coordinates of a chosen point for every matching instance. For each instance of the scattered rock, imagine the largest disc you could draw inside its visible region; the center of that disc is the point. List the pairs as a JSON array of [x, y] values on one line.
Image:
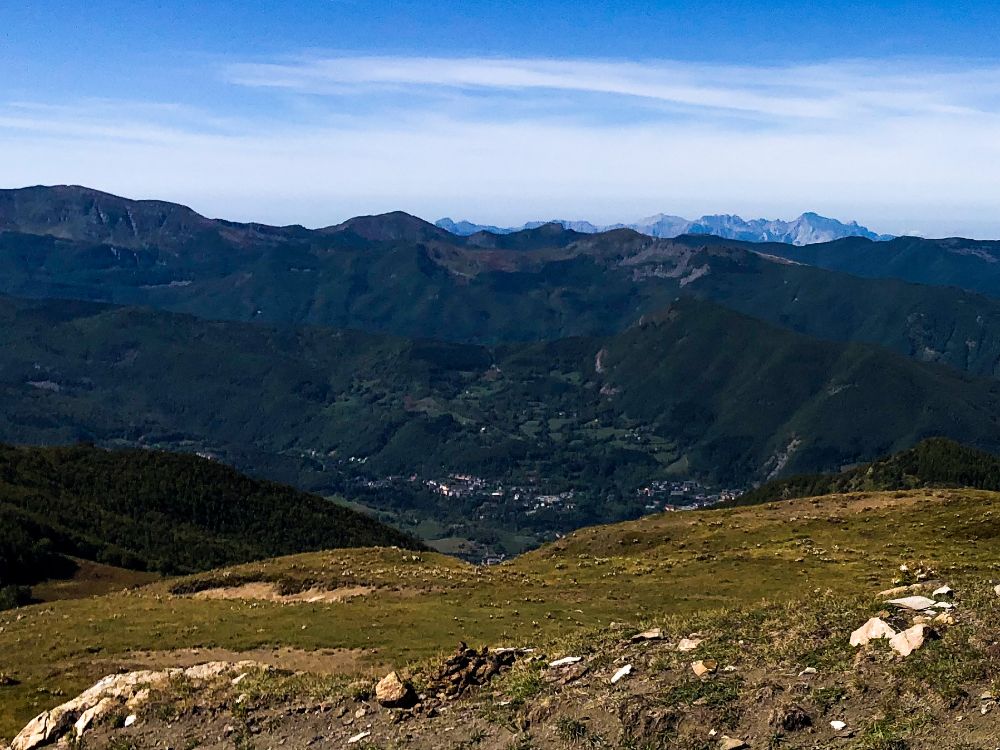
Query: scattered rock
[[704, 667], [996, 589], [872, 630], [943, 591], [732, 743], [565, 661], [838, 725], [130, 720], [689, 644], [392, 692], [623, 672], [944, 619], [653, 634], [915, 603], [468, 668], [909, 640], [807, 672], [358, 737]]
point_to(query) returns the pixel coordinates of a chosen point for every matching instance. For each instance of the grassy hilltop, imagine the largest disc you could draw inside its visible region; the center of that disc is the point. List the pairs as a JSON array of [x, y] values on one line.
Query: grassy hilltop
[[710, 571]]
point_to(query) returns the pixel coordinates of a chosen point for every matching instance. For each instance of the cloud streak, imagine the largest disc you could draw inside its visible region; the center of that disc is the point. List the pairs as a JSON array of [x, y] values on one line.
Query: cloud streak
[[822, 92], [898, 146]]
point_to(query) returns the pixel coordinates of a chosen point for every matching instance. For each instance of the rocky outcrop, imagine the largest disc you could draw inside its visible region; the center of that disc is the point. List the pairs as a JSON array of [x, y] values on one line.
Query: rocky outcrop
[[131, 689], [468, 668]]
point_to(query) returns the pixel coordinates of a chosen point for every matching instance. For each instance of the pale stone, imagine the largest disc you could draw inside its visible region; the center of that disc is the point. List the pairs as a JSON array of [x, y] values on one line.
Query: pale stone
[[912, 602], [943, 591], [688, 644], [623, 672], [732, 743], [392, 692], [130, 720], [565, 661], [909, 640], [838, 725], [872, 630], [358, 737], [704, 667], [653, 634]]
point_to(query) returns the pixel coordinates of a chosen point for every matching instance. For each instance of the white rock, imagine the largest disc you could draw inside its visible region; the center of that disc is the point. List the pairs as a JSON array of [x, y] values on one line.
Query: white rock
[[944, 605], [565, 661], [943, 591], [912, 602], [809, 670], [130, 720], [689, 644], [653, 634], [909, 640], [626, 670], [996, 589], [872, 630], [358, 737], [94, 712], [838, 725], [731, 743]]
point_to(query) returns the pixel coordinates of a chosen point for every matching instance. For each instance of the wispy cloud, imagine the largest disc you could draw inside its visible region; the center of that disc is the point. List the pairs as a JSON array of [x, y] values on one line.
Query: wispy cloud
[[827, 91], [314, 140]]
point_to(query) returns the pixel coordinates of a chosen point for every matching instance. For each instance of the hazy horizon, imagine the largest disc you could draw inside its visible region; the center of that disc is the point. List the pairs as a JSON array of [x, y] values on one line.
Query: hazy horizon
[[316, 112]]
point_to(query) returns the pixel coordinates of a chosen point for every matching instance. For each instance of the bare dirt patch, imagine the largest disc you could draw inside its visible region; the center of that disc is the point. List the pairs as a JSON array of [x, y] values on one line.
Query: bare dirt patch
[[269, 592]]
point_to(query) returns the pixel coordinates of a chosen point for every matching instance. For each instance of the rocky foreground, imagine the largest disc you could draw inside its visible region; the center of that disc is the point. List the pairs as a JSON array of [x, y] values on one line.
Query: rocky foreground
[[912, 666]]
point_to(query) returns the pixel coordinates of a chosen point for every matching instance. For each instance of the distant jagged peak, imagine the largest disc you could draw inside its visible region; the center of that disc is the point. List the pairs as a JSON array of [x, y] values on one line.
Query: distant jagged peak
[[808, 228]]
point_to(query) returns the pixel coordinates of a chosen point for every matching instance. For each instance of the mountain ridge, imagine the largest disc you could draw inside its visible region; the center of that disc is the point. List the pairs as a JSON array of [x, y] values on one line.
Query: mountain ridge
[[808, 228]]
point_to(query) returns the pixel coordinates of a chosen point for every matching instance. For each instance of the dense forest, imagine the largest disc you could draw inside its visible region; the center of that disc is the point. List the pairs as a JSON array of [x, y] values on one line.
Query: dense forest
[[150, 510], [936, 462]]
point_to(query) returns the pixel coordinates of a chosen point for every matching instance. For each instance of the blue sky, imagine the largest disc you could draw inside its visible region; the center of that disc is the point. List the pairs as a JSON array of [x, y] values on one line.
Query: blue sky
[[501, 112]]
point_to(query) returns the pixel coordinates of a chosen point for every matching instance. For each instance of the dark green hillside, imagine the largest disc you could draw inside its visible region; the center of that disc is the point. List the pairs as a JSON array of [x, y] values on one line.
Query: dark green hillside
[[399, 275], [935, 462], [149, 510], [698, 391], [956, 262]]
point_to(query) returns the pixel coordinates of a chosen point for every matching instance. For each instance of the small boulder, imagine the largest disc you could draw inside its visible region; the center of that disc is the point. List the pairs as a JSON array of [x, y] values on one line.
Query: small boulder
[[838, 726], [872, 630], [732, 743], [623, 672], [565, 661], [688, 644], [943, 591], [915, 603], [704, 667], [906, 642], [392, 692], [653, 634]]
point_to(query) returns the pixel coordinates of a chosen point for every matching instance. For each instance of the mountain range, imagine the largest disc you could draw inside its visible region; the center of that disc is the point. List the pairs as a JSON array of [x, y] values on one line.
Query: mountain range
[[385, 332], [807, 229]]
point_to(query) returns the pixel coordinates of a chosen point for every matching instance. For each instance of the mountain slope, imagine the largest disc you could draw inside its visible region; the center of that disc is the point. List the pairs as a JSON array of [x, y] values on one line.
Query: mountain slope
[[148, 510], [807, 229], [973, 265], [399, 275], [697, 390], [771, 592], [931, 463]]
